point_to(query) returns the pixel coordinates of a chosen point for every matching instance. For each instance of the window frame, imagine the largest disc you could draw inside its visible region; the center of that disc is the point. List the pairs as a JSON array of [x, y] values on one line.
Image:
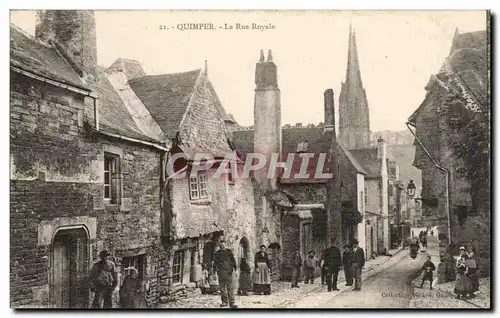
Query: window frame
[[198, 187], [139, 263], [178, 268], [112, 171]]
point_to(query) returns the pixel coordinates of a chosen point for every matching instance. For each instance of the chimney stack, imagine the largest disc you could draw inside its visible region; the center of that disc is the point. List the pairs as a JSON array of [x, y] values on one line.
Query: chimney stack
[[329, 110], [73, 34], [267, 115], [381, 149]]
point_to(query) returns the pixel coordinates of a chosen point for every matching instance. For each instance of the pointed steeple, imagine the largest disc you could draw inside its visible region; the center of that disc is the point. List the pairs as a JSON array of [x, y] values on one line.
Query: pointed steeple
[[353, 73], [261, 56], [354, 117]]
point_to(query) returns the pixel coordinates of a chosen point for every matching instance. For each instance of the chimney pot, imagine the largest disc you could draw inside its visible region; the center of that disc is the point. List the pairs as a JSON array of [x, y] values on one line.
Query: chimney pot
[[261, 56], [269, 56]]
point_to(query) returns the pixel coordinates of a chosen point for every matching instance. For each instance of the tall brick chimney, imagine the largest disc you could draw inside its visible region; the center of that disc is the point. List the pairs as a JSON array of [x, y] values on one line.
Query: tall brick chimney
[[267, 113], [329, 110], [73, 33]]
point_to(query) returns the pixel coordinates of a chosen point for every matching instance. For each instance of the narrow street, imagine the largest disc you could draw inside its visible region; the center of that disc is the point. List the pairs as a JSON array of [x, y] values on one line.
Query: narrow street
[[387, 289]]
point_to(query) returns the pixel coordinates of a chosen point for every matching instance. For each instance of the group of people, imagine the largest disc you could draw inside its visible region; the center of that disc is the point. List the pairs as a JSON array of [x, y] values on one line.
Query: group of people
[[103, 277], [467, 281], [103, 280], [331, 262]]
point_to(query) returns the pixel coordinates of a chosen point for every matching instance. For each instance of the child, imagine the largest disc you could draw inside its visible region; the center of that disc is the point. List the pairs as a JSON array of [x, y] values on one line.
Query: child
[[204, 284], [310, 264], [428, 268]]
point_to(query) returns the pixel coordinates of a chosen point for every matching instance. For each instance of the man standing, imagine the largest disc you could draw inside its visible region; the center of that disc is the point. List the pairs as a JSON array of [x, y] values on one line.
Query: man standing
[[296, 265], [347, 259], [357, 264], [332, 260], [224, 264], [103, 279]]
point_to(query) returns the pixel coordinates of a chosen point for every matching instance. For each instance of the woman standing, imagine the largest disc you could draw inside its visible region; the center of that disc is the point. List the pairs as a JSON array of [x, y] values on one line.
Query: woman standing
[[472, 272], [461, 281], [262, 275], [245, 281], [130, 291]]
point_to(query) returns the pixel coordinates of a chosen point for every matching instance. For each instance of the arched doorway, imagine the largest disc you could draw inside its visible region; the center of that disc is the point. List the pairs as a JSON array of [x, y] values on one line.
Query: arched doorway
[[244, 248], [274, 251], [70, 263]]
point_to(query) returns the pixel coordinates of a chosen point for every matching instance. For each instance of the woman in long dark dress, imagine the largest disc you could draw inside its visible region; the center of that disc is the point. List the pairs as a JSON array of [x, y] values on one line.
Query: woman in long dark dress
[[461, 283], [130, 291], [472, 272], [245, 280], [262, 273]]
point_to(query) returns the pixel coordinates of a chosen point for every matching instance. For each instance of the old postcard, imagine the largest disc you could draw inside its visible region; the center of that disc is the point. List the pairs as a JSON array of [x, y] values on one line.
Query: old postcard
[[250, 159]]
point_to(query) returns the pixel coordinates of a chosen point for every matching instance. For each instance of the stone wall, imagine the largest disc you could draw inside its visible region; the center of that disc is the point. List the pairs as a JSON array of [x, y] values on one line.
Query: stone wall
[[49, 142]]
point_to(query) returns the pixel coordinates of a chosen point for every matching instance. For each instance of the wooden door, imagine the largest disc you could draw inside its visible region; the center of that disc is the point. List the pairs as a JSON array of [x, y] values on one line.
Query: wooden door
[[61, 279]]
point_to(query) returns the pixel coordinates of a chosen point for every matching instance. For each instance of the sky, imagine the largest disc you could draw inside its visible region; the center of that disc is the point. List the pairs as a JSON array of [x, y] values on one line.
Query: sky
[[398, 51]]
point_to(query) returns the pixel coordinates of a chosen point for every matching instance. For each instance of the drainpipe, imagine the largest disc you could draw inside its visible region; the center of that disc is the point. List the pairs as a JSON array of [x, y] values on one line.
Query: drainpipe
[[447, 182], [96, 112]]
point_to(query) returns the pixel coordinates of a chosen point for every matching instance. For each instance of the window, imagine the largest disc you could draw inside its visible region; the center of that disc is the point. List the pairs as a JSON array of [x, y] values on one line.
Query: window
[[178, 266], [111, 186], [366, 197], [302, 146], [198, 187], [138, 262], [361, 200]]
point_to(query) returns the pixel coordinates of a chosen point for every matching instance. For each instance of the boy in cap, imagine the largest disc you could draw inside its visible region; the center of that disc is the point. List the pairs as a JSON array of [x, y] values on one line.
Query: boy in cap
[[427, 268]]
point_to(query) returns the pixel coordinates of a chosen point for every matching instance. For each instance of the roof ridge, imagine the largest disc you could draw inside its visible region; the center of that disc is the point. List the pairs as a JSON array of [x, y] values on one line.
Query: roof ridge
[[171, 74], [31, 37]]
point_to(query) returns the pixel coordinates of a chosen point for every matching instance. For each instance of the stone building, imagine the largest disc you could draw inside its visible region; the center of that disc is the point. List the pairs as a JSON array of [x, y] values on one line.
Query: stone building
[[89, 153], [200, 207], [456, 97], [84, 175]]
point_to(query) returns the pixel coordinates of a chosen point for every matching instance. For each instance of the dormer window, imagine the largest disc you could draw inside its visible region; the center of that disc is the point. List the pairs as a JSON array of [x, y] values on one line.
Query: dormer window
[[302, 146]]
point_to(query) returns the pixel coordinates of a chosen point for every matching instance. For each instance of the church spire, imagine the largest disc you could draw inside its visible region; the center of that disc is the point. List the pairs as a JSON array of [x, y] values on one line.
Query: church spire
[[354, 117], [353, 73]]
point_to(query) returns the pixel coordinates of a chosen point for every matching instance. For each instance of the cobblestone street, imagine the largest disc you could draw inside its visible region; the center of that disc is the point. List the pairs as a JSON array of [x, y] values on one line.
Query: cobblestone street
[[285, 297]]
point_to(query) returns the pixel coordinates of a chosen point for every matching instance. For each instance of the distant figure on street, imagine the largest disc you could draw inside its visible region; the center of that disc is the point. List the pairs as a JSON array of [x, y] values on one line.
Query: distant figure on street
[[296, 265], [347, 259], [205, 280], [423, 240], [245, 280], [262, 274], [432, 233], [310, 265], [357, 264], [130, 291], [103, 279], [224, 264], [332, 259], [427, 268]]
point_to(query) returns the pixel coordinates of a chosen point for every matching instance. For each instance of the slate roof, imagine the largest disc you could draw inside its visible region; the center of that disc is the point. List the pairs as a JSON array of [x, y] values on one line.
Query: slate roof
[[317, 142], [114, 116], [368, 159], [468, 64], [166, 97], [41, 59]]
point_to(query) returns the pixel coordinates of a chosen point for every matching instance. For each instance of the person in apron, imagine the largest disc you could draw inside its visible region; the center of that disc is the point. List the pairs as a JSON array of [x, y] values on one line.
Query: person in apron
[[130, 291], [262, 273]]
